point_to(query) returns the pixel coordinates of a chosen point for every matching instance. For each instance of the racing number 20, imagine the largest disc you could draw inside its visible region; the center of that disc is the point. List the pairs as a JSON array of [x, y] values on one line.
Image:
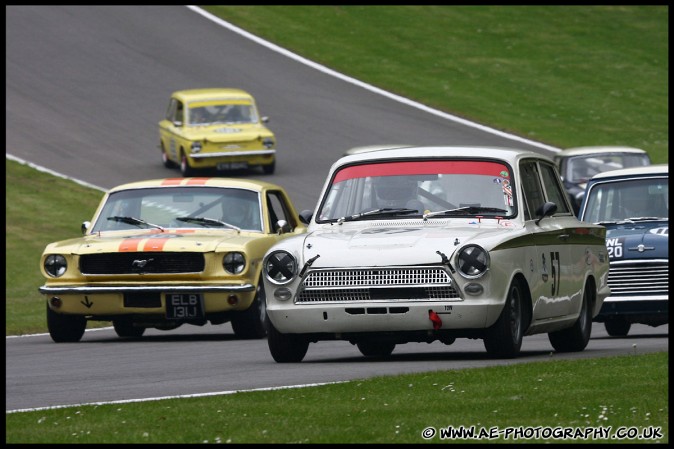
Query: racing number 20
[[555, 271]]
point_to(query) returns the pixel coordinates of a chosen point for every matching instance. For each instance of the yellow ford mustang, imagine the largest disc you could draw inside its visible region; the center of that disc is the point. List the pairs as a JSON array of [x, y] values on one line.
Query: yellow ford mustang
[[167, 252], [215, 129]]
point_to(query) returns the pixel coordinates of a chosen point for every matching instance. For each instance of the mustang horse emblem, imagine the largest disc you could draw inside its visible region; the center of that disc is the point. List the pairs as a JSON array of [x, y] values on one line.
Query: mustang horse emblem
[[140, 263]]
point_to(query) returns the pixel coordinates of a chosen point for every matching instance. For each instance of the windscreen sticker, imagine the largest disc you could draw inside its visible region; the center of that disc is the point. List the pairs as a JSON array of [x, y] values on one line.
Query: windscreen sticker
[[507, 192]]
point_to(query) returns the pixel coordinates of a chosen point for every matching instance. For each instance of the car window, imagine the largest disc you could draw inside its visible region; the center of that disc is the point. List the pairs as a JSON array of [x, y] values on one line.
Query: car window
[[174, 111], [553, 189], [278, 210], [212, 112], [582, 168], [628, 198], [421, 187], [178, 207], [541, 184], [531, 186]]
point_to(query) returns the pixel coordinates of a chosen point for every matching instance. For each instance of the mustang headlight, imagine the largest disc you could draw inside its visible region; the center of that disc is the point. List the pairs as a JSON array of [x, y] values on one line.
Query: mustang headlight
[[55, 265], [473, 261], [280, 267], [234, 262], [196, 147]]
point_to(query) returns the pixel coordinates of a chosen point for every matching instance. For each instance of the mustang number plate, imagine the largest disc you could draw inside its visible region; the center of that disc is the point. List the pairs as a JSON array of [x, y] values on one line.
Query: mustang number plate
[[184, 305]]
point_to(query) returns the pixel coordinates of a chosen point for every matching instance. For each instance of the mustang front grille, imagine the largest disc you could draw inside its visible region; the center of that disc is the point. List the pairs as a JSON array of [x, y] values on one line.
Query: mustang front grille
[[373, 284], [145, 263], [639, 278]]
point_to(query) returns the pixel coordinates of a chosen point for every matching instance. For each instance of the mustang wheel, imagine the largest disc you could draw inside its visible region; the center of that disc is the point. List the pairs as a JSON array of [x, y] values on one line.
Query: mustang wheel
[[504, 338], [124, 328], [65, 328], [375, 348], [575, 338], [617, 327], [286, 348], [250, 323]]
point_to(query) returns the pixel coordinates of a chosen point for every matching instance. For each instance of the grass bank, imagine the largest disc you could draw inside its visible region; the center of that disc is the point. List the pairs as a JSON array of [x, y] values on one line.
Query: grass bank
[[574, 397], [563, 75]]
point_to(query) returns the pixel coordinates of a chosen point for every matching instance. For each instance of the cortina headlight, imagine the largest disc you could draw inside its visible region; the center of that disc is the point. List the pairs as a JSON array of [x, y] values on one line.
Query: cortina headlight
[[234, 262], [196, 147], [55, 265], [280, 267], [473, 261]]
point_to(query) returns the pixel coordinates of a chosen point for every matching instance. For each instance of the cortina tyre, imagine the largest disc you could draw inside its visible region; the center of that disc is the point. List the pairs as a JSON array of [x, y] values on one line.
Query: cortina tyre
[[375, 348], [504, 338], [286, 348]]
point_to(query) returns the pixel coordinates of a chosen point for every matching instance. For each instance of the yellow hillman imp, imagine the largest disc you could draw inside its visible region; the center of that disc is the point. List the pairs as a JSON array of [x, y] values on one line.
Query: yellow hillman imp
[[216, 129], [167, 252]]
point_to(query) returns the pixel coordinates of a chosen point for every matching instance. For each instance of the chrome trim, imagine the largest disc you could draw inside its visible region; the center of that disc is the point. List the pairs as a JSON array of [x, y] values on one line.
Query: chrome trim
[[233, 154], [90, 290], [638, 277], [386, 276], [329, 285]]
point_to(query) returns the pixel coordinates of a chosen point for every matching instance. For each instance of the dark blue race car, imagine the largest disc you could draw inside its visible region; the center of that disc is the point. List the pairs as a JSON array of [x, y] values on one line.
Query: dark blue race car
[[633, 205]]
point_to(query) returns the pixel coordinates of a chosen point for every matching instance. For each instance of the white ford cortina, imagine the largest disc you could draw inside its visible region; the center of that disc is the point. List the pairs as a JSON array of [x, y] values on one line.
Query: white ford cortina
[[420, 244]]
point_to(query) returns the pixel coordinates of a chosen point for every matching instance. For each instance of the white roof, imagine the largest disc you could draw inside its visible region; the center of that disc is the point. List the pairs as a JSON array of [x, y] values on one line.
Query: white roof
[[366, 148], [598, 149], [511, 155], [656, 169]]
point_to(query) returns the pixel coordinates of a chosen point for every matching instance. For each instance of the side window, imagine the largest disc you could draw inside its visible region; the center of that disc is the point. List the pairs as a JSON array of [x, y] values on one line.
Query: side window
[[179, 113], [553, 188], [531, 186], [278, 210], [171, 110]]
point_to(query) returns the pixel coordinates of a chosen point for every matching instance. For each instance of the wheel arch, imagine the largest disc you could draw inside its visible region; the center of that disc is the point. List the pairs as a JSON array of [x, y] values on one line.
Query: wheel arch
[[590, 287], [528, 303]]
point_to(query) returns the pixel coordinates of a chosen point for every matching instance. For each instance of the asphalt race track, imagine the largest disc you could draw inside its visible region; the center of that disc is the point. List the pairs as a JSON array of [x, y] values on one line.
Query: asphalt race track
[[86, 87], [200, 360]]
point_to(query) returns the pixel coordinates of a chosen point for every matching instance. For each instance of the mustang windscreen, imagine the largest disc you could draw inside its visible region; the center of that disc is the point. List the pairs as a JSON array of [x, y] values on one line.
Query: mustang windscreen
[[181, 207]]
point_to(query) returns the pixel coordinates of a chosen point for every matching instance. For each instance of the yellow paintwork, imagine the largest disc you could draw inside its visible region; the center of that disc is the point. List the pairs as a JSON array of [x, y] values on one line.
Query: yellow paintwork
[[213, 242], [251, 144]]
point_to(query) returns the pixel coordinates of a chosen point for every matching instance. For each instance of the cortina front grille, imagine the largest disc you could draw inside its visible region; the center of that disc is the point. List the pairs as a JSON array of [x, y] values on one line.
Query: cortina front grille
[[146, 263], [372, 284]]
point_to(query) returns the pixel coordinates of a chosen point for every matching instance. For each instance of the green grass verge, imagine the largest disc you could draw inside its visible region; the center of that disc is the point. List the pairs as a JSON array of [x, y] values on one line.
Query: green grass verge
[[562, 75], [40, 209], [571, 395]]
